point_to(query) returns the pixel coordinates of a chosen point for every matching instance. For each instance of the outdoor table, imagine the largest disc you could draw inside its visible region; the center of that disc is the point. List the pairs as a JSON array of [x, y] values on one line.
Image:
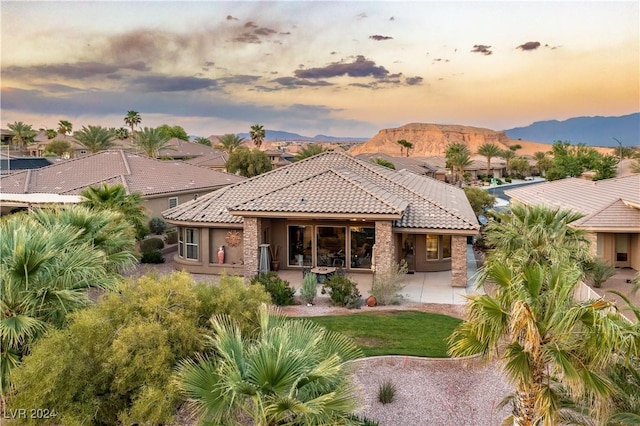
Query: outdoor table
[[323, 272]]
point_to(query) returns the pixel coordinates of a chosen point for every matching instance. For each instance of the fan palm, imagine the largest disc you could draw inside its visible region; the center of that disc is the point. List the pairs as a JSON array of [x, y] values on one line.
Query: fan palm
[[22, 134], [489, 150], [508, 155], [115, 197], [65, 127], [121, 133], [257, 134], [151, 141], [50, 133], [290, 373], [310, 150], [203, 141], [532, 323], [132, 119], [46, 266], [94, 138], [229, 142]]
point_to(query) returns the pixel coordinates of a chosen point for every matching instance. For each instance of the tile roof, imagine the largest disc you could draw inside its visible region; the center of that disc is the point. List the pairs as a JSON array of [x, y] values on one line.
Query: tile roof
[[217, 159], [608, 203], [334, 182], [136, 172]]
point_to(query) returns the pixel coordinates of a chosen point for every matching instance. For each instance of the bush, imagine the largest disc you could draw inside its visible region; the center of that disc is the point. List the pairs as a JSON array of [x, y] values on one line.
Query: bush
[[157, 226], [386, 287], [507, 179], [152, 256], [343, 292], [280, 290], [151, 244], [599, 271], [309, 289], [172, 236], [386, 392]]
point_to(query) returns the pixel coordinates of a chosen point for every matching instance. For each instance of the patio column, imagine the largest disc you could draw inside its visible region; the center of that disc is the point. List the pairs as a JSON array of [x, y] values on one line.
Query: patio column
[[458, 261], [250, 241], [593, 247], [383, 247]]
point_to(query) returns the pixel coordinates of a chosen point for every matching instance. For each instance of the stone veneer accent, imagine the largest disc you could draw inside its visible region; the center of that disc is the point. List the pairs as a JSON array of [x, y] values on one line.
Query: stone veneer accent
[[593, 247], [384, 246], [458, 261], [251, 240]]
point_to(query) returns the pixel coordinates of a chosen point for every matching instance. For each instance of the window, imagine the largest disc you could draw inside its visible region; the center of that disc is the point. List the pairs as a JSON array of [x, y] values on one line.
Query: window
[[181, 242], [330, 243], [191, 243], [300, 237], [173, 201], [362, 241], [438, 247]]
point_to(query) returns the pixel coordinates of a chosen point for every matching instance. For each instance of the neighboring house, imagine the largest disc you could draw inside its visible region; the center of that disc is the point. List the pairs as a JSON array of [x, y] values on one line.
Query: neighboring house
[[216, 160], [163, 184], [611, 208], [328, 210], [6, 136], [177, 149], [40, 142], [412, 164], [277, 158], [477, 167]]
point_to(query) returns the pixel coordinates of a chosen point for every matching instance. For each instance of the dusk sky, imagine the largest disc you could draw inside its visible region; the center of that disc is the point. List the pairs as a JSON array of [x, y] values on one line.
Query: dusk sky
[[333, 68]]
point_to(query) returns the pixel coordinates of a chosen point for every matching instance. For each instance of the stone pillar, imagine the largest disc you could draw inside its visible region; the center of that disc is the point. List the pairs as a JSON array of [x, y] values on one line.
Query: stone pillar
[[250, 241], [384, 247], [593, 247], [458, 261]]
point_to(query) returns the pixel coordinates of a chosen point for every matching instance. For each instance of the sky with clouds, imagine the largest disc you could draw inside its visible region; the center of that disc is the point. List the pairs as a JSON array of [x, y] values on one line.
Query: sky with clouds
[[334, 68]]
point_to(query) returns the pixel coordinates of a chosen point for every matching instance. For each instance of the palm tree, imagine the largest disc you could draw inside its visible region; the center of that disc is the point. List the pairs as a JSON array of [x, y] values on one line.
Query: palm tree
[[151, 141], [46, 265], [257, 134], [543, 163], [489, 150], [457, 157], [229, 142], [309, 150], [203, 141], [115, 198], [65, 127], [50, 133], [290, 373], [22, 134], [121, 133], [508, 155], [531, 321], [94, 138], [382, 162], [132, 119], [409, 147], [403, 144]]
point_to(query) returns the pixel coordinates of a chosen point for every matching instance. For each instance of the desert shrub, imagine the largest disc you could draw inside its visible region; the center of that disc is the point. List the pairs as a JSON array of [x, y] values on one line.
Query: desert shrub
[[309, 289], [172, 236], [157, 225], [343, 292], [386, 391], [280, 290], [152, 256], [599, 271], [114, 361], [150, 244], [508, 179], [233, 297], [386, 287]]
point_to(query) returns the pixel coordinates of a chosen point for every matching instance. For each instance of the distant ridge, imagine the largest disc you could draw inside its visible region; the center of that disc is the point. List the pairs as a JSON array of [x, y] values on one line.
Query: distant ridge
[[592, 131], [277, 135]]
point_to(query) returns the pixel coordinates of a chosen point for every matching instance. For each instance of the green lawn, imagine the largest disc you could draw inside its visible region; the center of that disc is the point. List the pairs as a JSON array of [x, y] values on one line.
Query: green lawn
[[395, 333]]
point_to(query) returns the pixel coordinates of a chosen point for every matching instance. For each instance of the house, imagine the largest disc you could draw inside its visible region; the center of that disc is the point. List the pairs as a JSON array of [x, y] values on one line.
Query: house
[[327, 210], [163, 184], [412, 164], [611, 209], [277, 158], [41, 140], [216, 160]]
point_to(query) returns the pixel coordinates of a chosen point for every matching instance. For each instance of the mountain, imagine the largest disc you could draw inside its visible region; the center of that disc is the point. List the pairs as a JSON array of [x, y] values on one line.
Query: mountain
[[592, 131], [277, 135]]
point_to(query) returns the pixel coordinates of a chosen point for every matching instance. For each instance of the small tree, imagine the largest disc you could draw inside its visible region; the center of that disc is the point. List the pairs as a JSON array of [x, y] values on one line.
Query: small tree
[[58, 147], [599, 271], [248, 163], [309, 289], [479, 199], [386, 287]]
